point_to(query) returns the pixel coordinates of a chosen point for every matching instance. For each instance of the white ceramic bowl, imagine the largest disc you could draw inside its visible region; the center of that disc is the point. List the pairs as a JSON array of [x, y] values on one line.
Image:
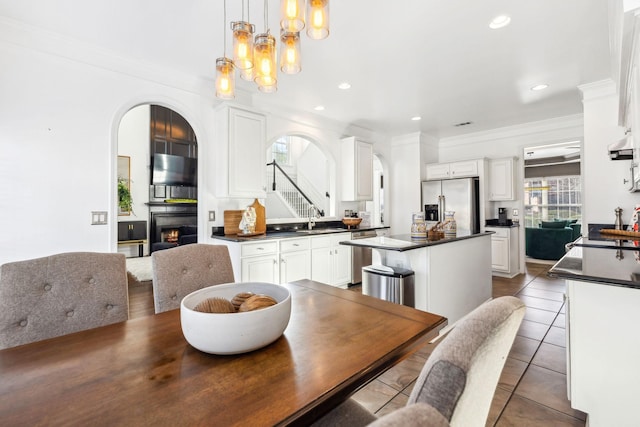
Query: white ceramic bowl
[[233, 333]]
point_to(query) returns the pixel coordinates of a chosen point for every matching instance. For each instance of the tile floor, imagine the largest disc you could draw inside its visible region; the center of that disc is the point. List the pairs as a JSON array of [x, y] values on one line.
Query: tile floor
[[532, 388]]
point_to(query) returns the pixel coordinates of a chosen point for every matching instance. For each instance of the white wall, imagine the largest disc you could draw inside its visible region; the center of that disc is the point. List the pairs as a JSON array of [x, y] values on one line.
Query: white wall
[[604, 187], [133, 141]]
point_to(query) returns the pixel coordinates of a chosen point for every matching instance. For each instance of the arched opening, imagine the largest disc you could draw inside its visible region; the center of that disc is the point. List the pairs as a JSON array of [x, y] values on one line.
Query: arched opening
[[302, 176], [157, 163]]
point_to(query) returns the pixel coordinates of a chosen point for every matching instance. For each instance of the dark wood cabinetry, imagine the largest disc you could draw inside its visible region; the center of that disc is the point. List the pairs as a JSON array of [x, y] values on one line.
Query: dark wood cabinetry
[[171, 133], [133, 233]]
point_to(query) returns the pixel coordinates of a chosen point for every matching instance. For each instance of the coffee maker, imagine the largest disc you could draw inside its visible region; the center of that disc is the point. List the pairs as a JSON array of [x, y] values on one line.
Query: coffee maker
[[502, 216]]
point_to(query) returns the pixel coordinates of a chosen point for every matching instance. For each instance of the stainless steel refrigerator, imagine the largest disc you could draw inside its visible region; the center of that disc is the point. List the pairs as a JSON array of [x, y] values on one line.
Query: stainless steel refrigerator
[[459, 195]]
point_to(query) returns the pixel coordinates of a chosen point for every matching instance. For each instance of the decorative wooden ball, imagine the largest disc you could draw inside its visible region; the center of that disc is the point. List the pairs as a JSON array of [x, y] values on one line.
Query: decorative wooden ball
[[215, 305], [256, 302], [238, 299]]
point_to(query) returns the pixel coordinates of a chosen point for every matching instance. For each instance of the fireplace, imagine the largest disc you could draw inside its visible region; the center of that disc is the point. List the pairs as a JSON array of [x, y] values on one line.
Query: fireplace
[[168, 229]]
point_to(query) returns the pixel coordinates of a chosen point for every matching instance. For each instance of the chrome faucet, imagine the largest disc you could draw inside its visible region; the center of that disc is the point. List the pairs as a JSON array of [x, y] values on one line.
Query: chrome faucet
[[312, 217]]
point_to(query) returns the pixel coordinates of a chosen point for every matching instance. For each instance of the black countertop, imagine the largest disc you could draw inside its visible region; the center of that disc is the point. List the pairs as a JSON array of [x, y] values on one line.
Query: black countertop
[[404, 242], [601, 261], [288, 234]]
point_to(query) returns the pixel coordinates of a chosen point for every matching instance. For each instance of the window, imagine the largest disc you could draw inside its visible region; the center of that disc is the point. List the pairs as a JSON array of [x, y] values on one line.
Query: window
[[546, 199], [280, 151]]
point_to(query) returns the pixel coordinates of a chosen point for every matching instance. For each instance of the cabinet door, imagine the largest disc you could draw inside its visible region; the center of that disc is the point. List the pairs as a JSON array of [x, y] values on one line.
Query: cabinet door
[[321, 265], [463, 169], [357, 170], [260, 269], [500, 253], [341, 265], [240, 159], [138, 230], [501, 179], [295, 266], [437, 171]]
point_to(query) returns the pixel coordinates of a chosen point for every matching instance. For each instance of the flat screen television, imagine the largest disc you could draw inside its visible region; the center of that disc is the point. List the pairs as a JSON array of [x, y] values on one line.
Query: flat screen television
[[174, 170]]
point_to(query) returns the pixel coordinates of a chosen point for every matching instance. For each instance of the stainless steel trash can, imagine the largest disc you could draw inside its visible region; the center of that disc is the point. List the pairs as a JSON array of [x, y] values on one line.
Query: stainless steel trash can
[[393, 284]]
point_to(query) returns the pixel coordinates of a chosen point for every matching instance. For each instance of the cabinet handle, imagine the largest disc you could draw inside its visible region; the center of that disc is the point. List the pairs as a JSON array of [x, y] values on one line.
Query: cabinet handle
[[283, 261], [295, 244], [260, 249]]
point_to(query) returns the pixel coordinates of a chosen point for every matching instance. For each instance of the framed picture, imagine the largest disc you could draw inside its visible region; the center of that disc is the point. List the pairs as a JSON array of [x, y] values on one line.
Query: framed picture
[[124, 186]]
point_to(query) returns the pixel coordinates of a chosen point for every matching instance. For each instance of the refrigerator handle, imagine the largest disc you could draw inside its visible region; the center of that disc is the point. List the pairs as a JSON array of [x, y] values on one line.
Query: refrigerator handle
[[441, 201]]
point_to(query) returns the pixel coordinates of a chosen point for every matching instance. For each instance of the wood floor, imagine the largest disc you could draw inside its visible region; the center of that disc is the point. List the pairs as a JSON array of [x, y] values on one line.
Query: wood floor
[[532, 389]]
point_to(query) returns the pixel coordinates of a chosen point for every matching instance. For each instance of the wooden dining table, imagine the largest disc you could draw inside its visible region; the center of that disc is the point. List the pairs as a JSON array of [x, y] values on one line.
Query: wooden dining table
[[143, 371]]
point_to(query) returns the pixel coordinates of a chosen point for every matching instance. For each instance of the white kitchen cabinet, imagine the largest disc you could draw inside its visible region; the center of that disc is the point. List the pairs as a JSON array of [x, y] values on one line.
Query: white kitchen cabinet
[[259, 262], [295, 259], [330, 261], [452, 170], [603, 350], [501, 179], [504, 251], [357, 170], [240, 153]]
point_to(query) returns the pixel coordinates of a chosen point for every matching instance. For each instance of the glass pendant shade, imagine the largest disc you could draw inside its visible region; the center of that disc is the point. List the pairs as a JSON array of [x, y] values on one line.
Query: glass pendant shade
[[290, 52], [247, 74], [292, 15], [225, 79], [242, 44], [265, 63], [318, 19]]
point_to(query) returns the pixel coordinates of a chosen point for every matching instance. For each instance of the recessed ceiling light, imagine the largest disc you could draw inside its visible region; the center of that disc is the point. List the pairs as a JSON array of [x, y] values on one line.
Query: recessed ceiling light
[[344, 85], [499, 22], [319, 108], [540, 87], [416, 118]]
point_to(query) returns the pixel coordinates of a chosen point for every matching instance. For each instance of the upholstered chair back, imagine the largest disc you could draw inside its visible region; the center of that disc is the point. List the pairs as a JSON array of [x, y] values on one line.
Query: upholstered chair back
[[461, 374], [60, 294], [181, 270]]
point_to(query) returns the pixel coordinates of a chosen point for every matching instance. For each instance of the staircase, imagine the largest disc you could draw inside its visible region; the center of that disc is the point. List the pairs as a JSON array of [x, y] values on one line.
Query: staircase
[[298, 202]]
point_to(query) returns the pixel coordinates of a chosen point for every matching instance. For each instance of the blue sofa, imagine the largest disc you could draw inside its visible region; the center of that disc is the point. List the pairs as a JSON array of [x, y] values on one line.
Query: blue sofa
[[548, 240]]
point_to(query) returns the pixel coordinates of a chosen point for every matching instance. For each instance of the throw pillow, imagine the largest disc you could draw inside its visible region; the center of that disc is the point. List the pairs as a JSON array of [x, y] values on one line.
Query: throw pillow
[[553, 224]]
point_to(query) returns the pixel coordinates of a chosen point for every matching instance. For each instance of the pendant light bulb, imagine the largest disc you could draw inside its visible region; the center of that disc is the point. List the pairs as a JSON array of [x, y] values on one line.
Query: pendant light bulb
[[292, 15], [225, 79], [318, 19], [242, 44], [265, 63], [290, 52]]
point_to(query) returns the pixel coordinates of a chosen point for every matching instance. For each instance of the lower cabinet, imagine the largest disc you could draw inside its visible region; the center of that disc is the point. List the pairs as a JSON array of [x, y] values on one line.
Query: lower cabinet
[[603, 350], [295, 260], [259, 262], [320, 258], [331, 261], [504, 250]]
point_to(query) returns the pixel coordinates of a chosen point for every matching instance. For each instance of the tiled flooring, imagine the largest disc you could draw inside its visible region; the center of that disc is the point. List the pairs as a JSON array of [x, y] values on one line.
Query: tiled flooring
[[532, 389]]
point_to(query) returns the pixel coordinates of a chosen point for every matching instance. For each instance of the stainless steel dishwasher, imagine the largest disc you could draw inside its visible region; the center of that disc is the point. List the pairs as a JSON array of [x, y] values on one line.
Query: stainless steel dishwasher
[[360, 257]]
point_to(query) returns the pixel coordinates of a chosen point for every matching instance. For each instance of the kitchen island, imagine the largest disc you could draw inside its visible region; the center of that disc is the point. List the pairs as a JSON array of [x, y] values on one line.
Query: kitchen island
[[602, 317], [452, 275]]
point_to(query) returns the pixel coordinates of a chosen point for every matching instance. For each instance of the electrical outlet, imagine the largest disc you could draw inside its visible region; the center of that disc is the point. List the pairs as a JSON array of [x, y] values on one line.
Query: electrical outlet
[[212, 215], [98, 218], [515, 212]]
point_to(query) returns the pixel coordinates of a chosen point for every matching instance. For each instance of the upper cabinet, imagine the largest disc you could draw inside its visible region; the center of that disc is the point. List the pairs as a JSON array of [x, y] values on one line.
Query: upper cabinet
[[452, 170], [357, 170], [240, 154], [501, 179]]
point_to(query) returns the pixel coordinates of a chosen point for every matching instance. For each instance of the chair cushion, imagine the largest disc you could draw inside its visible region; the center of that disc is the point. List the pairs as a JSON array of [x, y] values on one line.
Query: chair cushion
[[418, 414], [553, 224]]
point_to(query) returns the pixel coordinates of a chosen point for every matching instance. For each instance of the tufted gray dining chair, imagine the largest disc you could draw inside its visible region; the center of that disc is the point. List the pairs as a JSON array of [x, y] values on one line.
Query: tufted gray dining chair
[[56, 295], [458, 381], [181, 270]]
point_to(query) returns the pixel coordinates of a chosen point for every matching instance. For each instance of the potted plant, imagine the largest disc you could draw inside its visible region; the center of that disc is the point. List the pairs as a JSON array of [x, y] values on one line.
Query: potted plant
[[125, 201]]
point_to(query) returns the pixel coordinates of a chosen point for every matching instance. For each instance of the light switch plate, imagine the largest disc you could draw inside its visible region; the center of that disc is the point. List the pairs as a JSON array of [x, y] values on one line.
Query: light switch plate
[[98, 218], [212, 215], [515, 212]]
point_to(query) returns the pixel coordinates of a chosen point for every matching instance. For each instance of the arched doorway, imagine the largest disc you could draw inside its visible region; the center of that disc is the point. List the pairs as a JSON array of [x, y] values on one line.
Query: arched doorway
[[302, 176], [160, 148]]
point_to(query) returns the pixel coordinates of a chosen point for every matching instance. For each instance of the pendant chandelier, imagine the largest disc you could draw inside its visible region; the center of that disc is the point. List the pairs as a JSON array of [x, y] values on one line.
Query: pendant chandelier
[[255, 56]]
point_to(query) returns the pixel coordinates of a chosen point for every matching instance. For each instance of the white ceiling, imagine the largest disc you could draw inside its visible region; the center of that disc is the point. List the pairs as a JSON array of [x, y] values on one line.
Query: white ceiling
[[435, 59]]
